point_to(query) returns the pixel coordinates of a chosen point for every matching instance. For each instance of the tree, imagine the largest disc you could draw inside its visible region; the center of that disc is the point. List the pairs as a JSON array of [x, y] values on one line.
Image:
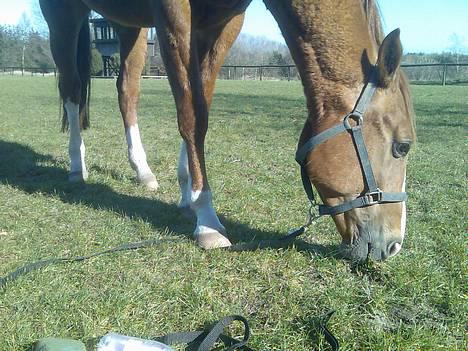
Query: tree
[[96, 63], [252, 50], [278, 59]]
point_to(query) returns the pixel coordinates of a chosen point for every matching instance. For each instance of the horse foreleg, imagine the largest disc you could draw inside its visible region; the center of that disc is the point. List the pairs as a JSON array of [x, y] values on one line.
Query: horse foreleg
[[180, 54], [133, 43], [212, 50]]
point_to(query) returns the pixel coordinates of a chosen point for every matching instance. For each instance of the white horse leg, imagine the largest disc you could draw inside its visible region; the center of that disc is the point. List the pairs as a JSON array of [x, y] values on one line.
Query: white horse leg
[[76, 147], [137, 158], [209, 232]]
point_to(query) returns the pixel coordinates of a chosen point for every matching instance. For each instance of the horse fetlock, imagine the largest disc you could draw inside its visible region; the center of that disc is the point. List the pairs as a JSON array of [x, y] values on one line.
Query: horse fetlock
[[76, 152], [209, 232], [137, 158]]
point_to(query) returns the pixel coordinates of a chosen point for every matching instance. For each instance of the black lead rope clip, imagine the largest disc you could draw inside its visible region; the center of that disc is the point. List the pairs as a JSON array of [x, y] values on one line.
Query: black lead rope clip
[[312, 217]]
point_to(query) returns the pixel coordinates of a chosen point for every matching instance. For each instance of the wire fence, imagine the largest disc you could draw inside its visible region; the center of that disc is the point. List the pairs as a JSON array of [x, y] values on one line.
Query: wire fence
[[427, 73], [437, 73], [31, 71], [262, 72]]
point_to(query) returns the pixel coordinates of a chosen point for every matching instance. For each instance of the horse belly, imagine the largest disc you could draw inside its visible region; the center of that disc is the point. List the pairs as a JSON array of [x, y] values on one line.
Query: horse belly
[[136, 13]]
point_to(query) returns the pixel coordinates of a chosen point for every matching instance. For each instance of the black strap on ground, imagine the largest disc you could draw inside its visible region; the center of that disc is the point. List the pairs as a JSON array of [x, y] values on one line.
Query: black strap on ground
[[205, 340], [39, 264], [30, 267], [322, 328]]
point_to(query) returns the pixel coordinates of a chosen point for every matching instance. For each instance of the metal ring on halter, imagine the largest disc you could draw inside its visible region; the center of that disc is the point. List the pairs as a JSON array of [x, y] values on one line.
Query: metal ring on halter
[[355, 116]]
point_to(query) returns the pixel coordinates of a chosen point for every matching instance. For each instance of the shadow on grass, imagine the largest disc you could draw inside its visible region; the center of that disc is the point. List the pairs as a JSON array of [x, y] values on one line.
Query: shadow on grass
[[20, 167]]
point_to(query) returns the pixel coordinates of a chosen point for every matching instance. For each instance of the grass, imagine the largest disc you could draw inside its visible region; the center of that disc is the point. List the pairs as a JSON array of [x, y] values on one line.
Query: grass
[[415, 301]]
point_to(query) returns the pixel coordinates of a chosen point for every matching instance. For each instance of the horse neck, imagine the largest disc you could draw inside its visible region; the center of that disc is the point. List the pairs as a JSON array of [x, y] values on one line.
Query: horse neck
[[339, 49]]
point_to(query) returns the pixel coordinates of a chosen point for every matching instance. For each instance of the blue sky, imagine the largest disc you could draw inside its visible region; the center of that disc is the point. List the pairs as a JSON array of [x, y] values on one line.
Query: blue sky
[[426, 25]]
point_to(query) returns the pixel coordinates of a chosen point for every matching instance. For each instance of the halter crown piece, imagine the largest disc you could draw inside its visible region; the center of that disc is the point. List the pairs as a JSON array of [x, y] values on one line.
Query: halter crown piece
[[372, 194]]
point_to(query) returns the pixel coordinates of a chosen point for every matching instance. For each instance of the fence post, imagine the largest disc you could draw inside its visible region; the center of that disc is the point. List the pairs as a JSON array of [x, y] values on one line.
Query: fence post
[[261, 73], [289, 73], [444, 75]]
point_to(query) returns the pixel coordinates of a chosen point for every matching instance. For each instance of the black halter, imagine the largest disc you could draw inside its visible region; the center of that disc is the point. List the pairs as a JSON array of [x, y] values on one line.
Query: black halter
[[373, 195]]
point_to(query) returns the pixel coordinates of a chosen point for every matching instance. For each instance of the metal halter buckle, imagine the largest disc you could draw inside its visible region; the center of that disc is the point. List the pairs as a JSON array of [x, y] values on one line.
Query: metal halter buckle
[[373, 197]]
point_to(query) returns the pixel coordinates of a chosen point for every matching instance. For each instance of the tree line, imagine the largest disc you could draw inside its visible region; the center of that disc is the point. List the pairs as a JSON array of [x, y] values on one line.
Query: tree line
[[24, 46]]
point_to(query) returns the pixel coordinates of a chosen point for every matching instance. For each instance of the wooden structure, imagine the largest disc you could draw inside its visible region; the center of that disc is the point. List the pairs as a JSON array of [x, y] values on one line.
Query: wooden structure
[[106, 41]]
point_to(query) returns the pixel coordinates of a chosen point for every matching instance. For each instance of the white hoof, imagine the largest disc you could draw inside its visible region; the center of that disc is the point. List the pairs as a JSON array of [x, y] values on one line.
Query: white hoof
[[212, 240]]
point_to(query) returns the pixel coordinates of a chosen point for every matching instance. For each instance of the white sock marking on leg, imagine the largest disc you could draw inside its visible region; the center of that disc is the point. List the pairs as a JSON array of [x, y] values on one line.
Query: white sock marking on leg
[[76, 147], [199, 201], [207, 220], [136, 152]]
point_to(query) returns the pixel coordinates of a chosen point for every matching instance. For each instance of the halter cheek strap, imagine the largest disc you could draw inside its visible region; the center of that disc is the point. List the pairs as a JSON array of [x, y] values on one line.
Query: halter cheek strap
[[373, 195]]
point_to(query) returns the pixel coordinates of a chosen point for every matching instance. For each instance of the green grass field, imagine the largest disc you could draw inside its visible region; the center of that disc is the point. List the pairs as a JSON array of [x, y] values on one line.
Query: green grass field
[[415, 301]]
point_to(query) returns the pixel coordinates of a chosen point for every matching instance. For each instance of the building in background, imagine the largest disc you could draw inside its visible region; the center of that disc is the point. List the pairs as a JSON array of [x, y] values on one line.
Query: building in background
[[106, 41]]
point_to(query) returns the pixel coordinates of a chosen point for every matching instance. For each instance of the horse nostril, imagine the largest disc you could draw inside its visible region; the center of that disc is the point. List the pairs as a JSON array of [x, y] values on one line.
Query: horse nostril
[[393, 249]]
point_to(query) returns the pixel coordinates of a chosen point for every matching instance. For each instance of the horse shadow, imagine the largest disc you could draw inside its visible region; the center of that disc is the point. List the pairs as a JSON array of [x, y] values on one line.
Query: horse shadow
[[23, 168]]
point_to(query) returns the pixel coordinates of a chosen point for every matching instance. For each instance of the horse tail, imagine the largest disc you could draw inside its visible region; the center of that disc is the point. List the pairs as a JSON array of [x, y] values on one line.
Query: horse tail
[[84, 70], [83, 61]]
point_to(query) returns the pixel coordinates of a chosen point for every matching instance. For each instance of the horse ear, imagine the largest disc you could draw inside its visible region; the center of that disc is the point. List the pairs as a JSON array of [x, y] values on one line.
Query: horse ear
[[390, 54]]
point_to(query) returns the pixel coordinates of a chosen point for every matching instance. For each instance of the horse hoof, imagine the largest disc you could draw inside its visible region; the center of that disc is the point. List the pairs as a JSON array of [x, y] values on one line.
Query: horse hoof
[[212, 240], [149, 181], [77, 177]]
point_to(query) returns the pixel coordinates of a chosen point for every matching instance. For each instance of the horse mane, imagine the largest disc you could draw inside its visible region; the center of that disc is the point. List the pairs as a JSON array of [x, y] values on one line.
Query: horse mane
[[372, 11], [374, 19]]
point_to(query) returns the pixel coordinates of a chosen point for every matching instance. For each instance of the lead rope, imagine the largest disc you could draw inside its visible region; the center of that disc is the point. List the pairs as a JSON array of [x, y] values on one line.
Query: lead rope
[[203, 340]]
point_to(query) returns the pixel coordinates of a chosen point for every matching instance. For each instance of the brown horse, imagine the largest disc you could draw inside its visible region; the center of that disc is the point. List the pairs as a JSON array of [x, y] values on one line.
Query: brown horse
[[346, 67]]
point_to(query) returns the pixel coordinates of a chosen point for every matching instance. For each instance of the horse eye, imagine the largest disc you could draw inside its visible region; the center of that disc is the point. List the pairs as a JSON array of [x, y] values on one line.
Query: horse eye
[[400, 149]]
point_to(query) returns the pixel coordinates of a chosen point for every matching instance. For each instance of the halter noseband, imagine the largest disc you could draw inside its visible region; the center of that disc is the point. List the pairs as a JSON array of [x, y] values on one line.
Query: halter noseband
[[373, 195]]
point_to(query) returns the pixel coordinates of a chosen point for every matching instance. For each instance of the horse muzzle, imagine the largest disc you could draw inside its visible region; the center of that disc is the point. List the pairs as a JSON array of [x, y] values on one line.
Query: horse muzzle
[[372, 243]]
